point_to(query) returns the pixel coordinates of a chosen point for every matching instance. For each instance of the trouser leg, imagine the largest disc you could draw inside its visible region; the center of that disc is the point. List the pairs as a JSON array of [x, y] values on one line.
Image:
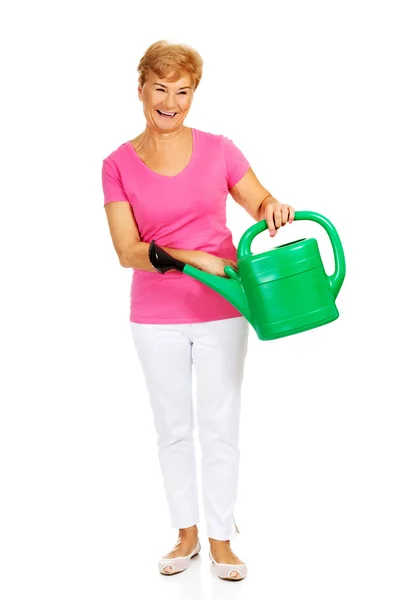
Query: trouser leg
[[219, 350], [165, 354]]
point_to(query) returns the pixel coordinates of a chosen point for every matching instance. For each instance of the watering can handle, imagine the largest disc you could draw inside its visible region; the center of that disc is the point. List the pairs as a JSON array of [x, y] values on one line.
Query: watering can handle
[[337, 278]]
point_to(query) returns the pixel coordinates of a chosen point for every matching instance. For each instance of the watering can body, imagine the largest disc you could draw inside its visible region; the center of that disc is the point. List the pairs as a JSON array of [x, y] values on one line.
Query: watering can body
[[282, 291]]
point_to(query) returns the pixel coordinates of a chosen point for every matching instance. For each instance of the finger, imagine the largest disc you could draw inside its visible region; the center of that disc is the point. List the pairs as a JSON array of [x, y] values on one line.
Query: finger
[[270, 219], [291, 214], [285, 214], [277, 216]]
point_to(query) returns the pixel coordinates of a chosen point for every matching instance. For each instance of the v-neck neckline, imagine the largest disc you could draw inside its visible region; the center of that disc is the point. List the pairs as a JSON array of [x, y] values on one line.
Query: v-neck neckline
[[160, 175]]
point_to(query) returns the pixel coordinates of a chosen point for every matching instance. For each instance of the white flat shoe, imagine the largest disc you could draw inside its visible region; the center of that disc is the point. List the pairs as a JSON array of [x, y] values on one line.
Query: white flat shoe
[[178, 564], [224, 570]]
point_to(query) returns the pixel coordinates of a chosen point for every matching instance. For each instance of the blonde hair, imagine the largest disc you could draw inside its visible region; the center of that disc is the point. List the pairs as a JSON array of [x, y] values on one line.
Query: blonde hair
[[174, 60]]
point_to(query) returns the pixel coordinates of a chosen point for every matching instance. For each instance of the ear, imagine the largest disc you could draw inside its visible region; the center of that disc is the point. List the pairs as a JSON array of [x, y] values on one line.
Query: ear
[[140, 90]]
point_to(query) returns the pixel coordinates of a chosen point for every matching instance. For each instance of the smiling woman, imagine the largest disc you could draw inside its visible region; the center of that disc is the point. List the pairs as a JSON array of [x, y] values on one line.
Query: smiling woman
[[170, 184]]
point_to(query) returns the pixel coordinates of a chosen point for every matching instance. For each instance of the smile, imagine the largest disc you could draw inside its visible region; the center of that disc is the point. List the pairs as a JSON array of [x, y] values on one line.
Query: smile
[[165, 114]]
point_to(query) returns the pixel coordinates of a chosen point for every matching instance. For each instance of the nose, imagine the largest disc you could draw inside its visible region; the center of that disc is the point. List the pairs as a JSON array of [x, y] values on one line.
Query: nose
[[169, 102]]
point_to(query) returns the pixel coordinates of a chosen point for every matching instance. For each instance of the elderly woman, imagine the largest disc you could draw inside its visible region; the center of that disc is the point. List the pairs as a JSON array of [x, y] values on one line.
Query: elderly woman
[[170, 184]]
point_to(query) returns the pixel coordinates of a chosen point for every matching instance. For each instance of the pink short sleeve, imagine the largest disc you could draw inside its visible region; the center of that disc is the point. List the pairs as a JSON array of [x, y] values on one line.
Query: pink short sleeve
[[112, 186], [235, 161]]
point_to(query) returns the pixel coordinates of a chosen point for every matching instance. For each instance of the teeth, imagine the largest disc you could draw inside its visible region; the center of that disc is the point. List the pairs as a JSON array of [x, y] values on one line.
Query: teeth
[[165, 113]]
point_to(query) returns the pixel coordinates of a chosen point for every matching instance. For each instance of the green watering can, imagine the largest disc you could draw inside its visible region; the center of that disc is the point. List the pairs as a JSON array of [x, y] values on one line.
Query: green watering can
[[280, 292]]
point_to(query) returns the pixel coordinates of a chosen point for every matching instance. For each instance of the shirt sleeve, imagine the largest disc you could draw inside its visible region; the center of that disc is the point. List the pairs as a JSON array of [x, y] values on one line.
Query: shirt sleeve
[[236, 164], [112, 186]]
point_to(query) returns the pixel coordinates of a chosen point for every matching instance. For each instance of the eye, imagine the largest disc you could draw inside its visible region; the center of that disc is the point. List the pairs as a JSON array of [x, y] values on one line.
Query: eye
[[161, 90]]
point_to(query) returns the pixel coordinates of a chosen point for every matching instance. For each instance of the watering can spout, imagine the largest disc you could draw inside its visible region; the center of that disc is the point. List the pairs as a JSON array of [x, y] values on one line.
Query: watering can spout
[[229, 287]]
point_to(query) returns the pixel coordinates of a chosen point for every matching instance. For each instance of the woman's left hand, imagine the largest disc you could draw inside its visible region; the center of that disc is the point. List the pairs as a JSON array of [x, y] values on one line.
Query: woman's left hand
[[277, 215]]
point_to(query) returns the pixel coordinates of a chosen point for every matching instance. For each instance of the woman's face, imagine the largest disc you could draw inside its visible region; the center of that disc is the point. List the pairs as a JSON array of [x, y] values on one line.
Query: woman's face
[[160, 96]]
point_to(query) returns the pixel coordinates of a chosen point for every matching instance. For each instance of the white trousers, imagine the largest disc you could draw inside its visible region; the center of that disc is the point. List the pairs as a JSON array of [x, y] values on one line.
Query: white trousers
[[216, 350]]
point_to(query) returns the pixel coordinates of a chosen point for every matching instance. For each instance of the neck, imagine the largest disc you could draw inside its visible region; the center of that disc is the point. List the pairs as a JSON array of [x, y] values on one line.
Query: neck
[[155, 140]]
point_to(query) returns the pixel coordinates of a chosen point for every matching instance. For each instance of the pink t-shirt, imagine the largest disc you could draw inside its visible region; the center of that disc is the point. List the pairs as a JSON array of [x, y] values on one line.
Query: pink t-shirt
[[185, 211]]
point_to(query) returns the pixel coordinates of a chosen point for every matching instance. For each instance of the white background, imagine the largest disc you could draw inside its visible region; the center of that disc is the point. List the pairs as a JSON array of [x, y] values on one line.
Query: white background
[[309, 92]]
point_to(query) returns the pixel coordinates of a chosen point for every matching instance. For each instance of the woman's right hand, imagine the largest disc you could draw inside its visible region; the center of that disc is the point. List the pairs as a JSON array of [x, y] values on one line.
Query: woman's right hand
[[214, 264]]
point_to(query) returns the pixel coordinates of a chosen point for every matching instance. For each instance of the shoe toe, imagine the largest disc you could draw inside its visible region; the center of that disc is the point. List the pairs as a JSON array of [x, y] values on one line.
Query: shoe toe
[[237, 574], [167, 569], [231, 572], [178, 564], [170, 568]]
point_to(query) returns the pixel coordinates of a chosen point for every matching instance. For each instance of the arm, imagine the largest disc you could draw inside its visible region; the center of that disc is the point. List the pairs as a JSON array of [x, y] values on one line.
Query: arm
[[138, 257], [259, 202], [251, 195], [132, 252]]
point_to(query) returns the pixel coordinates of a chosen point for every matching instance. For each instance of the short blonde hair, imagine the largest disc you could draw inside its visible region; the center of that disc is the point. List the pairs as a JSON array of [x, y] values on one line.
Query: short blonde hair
[[173, 60]]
